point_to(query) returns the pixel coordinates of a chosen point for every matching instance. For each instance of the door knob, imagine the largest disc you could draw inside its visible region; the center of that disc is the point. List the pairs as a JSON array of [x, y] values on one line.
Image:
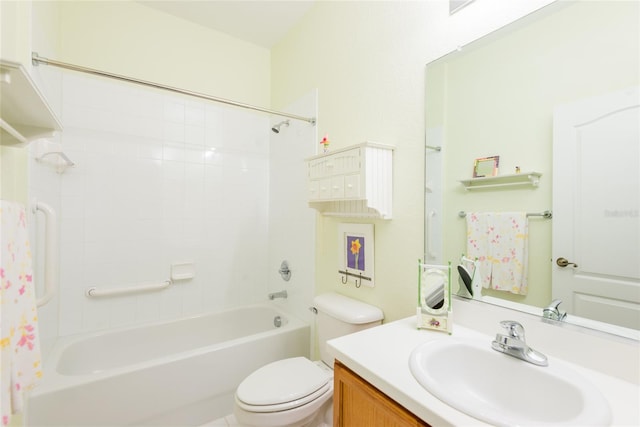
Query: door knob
[[563, 262]]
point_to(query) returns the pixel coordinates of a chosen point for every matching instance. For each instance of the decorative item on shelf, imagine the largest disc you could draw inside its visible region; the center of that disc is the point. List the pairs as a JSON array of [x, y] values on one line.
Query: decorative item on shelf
[[486, 166], [325, 143], [434, 297], [356, 254]]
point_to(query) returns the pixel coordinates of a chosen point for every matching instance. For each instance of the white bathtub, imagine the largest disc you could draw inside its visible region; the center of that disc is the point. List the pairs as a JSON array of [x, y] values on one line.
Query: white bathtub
[[181, 373]]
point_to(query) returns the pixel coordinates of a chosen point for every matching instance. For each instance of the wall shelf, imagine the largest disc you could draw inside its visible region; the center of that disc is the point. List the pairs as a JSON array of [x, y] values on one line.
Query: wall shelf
[[355, 181], [524, 179], [25, 114]]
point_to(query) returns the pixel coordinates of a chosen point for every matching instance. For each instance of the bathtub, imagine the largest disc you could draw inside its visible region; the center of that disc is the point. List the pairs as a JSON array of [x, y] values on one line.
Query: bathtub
[[181, 373]]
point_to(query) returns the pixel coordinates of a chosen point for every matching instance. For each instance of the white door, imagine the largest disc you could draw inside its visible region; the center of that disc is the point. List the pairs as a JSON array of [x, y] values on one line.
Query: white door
[[596, 223]]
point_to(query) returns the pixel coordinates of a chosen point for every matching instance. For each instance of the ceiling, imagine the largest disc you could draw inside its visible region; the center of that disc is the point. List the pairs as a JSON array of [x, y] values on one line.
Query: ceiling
[[261, 22]]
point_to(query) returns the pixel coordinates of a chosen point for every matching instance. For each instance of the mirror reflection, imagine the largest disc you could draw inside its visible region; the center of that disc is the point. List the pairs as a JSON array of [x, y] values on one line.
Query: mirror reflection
[[434, 289], [498, 96]]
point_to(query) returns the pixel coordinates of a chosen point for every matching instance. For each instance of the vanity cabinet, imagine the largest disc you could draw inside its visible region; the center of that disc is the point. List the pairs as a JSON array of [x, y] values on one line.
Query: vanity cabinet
[[352, 182], [358, 403]]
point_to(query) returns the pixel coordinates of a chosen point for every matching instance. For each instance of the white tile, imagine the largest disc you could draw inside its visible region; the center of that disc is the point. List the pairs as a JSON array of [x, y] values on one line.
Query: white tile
[[122, 312], [150, 148], [195, 154], [148, 190], [173, 171], [194, 114], [148, 306], [174, 110], [194, 135], [173, 131]]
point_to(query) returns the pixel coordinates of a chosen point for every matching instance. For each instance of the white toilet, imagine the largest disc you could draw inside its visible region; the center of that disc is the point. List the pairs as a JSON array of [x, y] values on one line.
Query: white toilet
[[297, 392]]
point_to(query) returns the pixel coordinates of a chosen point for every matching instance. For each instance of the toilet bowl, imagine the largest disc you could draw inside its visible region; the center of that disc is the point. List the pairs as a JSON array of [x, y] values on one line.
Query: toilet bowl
[[297, 392], [286, 393]]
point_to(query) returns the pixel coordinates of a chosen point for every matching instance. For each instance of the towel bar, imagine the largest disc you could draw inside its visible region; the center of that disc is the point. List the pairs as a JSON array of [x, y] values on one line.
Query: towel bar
[[545, 214]]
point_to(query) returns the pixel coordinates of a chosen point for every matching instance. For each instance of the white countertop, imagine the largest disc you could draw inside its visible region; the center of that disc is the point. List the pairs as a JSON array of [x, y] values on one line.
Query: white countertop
[[381, 356]]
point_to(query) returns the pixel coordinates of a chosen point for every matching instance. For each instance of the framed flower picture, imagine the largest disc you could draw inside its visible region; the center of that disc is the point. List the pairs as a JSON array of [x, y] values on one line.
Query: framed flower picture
[[355, 263]]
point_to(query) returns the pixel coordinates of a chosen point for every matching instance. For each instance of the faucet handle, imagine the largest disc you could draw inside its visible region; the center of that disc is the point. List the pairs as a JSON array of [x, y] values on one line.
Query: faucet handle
[[554, 304], [514, 329]]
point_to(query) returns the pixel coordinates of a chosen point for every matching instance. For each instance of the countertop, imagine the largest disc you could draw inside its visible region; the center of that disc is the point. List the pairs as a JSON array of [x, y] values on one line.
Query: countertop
[[381, 356]]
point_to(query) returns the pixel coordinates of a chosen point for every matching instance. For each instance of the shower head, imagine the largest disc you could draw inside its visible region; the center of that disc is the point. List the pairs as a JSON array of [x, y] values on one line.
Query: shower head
[[276, 128]]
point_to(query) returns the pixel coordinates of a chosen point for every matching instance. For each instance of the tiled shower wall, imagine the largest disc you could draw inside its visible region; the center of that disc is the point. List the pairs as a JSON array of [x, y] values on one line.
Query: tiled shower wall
[[159, 179]]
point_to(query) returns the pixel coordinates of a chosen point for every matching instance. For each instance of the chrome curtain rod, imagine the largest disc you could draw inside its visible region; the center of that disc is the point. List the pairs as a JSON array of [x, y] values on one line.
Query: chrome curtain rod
[[37, 60], [545, 214]]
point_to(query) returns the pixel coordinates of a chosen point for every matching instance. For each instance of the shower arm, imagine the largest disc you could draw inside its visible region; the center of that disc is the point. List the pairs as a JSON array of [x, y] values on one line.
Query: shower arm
[[37, 60]]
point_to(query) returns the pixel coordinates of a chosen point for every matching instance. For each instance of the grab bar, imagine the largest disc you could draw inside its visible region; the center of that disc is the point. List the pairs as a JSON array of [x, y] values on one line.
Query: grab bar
[[94, 292], [50, 252], [430, 251]]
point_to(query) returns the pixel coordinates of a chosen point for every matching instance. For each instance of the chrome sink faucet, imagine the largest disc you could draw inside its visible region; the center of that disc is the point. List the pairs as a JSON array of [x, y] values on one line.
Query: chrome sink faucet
[[513, 344], [552, 311]]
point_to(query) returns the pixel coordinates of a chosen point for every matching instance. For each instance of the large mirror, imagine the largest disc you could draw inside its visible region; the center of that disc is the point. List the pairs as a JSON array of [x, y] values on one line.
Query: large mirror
[[497, 97]]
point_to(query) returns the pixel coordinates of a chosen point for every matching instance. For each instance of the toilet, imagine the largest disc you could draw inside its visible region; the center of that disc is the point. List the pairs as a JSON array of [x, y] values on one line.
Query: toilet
[[297, 392]]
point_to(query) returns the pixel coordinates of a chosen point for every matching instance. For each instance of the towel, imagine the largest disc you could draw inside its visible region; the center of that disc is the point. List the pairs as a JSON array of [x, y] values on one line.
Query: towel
[[20, 359], [499, 240]]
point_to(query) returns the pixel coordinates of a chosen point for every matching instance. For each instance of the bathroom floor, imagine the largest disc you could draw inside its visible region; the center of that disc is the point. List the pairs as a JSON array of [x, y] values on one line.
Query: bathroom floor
[[228, 421]]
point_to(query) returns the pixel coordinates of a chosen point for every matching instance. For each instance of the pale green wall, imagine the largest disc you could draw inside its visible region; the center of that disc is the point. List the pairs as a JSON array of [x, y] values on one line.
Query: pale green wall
[[500, 100], [15, 24], [134, 40], [367, 60], [15, 39]]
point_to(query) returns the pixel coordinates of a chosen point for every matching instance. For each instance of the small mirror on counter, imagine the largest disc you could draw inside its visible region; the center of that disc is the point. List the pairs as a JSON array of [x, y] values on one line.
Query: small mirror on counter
[[486, 166], [434, 295]]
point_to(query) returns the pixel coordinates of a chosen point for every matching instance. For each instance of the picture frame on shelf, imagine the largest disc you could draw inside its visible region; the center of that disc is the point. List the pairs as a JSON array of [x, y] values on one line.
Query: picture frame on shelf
[[486, 166]]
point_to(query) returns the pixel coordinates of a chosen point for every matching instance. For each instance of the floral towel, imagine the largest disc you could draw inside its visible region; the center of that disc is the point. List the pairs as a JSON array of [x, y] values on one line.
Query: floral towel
[[20, 360], [499, 240]]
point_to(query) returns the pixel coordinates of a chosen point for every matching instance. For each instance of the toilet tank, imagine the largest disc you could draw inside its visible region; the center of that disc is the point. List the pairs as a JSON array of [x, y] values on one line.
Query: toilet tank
[[339, 315]]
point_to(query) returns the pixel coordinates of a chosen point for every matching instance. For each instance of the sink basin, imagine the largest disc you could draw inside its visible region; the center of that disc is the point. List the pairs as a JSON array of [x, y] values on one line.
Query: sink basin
[[504, 391]]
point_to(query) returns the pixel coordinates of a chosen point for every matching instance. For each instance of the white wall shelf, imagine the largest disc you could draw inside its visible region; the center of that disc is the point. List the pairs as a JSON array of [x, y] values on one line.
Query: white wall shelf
[[25, 114], [355, 181], [524, 179]]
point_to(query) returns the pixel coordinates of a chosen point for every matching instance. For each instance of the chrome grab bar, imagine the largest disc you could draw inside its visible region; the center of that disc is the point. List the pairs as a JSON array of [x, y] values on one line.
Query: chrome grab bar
[[50, 251]]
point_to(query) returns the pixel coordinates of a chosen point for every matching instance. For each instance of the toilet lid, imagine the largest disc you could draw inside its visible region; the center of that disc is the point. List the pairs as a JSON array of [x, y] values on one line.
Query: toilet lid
[[285, 383]]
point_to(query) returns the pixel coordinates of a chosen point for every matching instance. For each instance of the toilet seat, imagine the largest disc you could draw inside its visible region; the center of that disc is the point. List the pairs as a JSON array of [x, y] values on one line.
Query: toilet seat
[[283, 385]]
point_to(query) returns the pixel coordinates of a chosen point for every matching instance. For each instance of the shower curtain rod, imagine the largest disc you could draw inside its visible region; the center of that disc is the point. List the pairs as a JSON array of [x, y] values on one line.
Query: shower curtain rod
[[37, 60]]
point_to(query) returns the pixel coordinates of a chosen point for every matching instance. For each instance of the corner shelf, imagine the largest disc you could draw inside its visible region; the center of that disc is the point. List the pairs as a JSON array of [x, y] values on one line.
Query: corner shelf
[[25, 114], [524, 179]]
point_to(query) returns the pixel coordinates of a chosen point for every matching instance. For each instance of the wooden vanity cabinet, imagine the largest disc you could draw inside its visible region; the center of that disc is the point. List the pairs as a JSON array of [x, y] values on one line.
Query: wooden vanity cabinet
[[356, 403]]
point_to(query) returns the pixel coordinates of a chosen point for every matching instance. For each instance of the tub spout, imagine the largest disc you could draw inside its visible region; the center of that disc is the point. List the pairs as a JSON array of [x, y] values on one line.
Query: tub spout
[[281, 294]]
